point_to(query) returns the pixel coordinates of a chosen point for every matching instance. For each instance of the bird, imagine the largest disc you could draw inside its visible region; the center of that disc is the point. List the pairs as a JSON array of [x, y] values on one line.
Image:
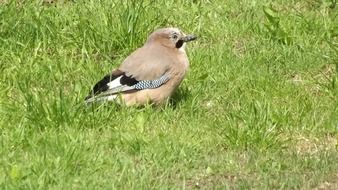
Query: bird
[[150, 74]]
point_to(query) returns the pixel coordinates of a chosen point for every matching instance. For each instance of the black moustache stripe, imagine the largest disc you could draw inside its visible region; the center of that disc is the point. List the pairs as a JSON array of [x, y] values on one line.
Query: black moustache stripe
[[179, 43]]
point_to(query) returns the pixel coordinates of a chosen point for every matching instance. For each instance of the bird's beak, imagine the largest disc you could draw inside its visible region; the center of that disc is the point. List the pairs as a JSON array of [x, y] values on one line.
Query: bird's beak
[[188, 38]]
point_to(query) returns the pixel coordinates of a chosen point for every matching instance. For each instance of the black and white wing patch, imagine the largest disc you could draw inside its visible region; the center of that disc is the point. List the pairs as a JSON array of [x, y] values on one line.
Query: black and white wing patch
[[113, 84]]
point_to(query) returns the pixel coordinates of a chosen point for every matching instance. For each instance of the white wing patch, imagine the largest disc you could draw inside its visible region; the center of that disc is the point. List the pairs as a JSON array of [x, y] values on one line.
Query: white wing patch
[[115, 83], [100, 99]]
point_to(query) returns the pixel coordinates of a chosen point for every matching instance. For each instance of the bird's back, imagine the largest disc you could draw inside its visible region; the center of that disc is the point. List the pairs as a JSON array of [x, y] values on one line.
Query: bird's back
[[148, 62]]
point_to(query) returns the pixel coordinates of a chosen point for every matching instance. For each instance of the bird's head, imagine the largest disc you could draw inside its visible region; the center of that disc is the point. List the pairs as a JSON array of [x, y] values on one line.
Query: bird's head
[[170, 38]]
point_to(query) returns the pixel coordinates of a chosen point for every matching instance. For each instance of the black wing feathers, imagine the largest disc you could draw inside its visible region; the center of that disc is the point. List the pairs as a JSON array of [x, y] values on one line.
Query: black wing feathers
[[102, 85], [125, 80]]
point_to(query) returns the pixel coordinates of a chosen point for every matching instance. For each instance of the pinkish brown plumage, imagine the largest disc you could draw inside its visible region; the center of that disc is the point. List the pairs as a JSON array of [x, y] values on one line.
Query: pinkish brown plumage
[[148, 75]]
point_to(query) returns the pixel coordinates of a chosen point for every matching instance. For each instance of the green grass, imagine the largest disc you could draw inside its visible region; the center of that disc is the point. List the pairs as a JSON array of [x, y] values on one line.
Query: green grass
[[258, 109]]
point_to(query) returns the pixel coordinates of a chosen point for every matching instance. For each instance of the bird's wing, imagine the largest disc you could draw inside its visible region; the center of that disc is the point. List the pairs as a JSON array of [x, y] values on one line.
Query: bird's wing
[[147, 63], [118, 82], [145, 68]]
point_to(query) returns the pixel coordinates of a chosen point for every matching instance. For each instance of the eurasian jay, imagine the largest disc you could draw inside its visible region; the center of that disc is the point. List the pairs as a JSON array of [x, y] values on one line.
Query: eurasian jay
[[148, 75]]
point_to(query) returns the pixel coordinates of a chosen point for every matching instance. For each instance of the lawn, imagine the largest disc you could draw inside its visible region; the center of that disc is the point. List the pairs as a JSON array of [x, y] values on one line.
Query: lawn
[[257, 110]]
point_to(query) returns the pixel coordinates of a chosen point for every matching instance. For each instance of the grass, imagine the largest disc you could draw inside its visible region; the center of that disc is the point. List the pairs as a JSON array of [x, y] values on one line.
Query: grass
[[258, 109]]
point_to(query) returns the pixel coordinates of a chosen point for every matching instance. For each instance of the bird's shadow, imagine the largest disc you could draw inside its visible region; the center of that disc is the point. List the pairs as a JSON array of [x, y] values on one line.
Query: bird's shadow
[[181, 95]]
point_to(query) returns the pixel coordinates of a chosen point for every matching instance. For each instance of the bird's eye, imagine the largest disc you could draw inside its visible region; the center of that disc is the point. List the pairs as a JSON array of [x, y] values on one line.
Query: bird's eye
[[175, 36]]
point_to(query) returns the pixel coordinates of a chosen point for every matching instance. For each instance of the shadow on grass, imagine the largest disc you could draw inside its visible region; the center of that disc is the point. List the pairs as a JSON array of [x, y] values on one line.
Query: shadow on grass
[[180, 96]]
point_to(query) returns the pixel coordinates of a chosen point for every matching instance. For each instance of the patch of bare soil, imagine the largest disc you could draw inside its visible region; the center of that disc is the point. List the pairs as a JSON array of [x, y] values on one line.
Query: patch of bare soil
[[331, 184]]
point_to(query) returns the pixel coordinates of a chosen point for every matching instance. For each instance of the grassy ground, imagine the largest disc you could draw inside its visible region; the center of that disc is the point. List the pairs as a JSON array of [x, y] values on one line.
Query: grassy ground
[[258, 109]]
